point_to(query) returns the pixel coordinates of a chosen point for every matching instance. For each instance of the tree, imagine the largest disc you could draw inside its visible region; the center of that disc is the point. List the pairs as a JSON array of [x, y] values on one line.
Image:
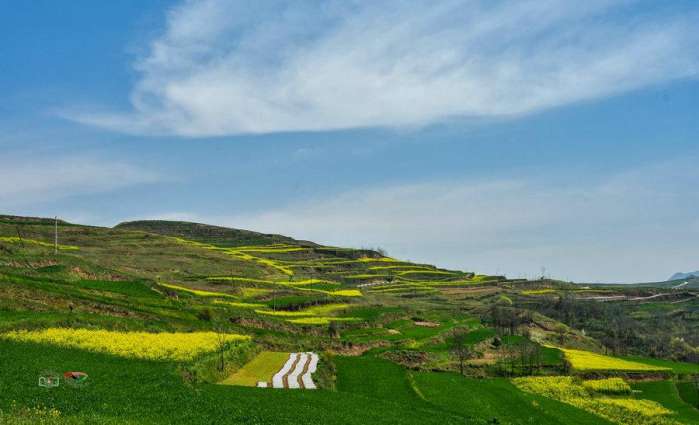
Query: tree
[[529, 355], [334, 330], [221, 346], [459, 347]]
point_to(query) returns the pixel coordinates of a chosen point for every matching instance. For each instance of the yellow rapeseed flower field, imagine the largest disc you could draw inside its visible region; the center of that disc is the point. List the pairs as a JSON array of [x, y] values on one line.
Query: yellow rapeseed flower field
[[320, 310], [538, 291], [177, 346], [586, 360], [345, 293], [607, 386], [239, 304], [198, 292], [15, 239], [625, 411], [321, 320]]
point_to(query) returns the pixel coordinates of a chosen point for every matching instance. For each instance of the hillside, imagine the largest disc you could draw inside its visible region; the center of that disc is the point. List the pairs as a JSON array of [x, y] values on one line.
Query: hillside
[[180, 321], [688, 275]]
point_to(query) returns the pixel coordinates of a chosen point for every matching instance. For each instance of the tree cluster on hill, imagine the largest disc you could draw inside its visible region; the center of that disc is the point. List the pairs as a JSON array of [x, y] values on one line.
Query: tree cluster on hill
[[659, 334], [508, 320]]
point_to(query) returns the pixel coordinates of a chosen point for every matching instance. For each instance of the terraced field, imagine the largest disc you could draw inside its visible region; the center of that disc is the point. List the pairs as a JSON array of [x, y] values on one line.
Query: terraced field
[[182, 323]]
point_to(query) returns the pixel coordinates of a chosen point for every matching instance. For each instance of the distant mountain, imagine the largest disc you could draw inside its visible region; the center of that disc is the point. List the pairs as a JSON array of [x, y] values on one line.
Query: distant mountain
[[688, 275]]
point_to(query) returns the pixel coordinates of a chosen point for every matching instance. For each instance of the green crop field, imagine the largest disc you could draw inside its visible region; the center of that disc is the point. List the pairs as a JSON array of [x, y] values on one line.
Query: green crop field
[[376, 378]]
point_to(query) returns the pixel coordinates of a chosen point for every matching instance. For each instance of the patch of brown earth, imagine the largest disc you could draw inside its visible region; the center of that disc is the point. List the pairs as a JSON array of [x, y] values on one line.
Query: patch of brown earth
[[357, 349], [409, 359], [426, 324]]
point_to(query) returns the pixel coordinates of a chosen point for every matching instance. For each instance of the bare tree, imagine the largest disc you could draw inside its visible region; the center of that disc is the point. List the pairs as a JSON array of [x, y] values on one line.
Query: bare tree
[[19, 236], [459, 347], [221, 345]]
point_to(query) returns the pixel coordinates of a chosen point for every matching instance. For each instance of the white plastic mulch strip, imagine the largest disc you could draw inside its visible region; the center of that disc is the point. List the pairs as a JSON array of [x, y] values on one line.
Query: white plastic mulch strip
[[306, 378], [278, 378], [293, 378]]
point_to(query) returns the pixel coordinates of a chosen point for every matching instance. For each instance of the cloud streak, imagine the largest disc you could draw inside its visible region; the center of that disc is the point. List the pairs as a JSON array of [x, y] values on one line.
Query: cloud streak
[[224, 67], [28, 181]]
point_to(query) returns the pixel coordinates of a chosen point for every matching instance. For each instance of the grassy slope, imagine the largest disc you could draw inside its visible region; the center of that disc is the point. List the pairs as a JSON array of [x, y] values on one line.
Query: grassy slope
[[376, 378], [497, 399], [477, 400], [112, 281], [689, 392], [665, 393]]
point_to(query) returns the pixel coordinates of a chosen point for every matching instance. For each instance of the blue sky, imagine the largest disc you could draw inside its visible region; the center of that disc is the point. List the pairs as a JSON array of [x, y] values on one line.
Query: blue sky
[[500, 137]]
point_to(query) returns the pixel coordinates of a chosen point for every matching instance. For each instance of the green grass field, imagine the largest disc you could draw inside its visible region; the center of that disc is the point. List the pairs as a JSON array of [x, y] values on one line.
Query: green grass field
[[261, 368], [665, 393], [677, 367], [497, 401], [689, 392], [376, 378]]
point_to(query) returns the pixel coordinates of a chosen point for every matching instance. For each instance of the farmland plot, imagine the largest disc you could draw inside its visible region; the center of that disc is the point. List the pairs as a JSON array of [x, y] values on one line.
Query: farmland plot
[[259, 369], [277, 370]]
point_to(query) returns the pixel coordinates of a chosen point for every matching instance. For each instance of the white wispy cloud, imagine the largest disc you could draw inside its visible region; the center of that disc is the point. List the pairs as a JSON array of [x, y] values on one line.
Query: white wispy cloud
[[225, 67], [635, 225], [30, 180]]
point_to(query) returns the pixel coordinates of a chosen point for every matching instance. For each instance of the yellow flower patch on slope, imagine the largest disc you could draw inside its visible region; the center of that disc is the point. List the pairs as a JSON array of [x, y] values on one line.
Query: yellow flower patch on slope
[[587, 360], [320, 310], [176, 346], [15, 239], [625, 411], [198, 292]]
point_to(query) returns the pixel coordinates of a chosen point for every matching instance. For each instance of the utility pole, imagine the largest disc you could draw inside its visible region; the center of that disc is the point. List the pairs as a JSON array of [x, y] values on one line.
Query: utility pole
[[55, 236]]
